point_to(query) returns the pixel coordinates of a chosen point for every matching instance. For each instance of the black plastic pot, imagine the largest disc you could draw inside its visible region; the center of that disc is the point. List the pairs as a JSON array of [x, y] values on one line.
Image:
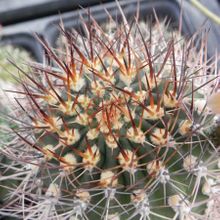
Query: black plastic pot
[[12, 11], [21, 21], [24, 41]]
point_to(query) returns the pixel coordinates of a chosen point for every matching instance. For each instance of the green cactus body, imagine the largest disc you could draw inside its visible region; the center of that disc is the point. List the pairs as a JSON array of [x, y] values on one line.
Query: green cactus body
[[114, 132], [12, 54]]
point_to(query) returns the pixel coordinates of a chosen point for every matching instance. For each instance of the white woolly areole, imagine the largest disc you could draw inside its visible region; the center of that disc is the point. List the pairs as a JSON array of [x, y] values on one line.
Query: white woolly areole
[[48, 149], [138, 196], [83, 195], [53, 190], [70, 137], [170, 101], [141, 95], [158, 136], [141, 203], [51, 98], [78, 83], [154, 167], [185, 127], [57, 122], [208, 187], [84, 101], [110, 141], [137, 136], [153, 113], [92, 134], [68, 109], [68, 162], [130, 163], [90, 159], [190, 162], [111, 119], [107, 178], [179, 204], [158, 169], [80, 202]]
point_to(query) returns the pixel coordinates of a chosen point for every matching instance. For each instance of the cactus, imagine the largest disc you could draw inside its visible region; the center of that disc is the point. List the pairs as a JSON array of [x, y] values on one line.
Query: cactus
[[117, 129], [8, 54]]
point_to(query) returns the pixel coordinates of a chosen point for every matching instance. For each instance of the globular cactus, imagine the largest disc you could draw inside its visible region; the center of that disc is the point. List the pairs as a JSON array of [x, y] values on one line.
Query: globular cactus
[[117, 129], [9, 54]]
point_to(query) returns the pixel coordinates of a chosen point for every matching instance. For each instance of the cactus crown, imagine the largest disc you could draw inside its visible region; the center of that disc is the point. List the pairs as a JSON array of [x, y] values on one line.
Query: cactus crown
[[114, 130]]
